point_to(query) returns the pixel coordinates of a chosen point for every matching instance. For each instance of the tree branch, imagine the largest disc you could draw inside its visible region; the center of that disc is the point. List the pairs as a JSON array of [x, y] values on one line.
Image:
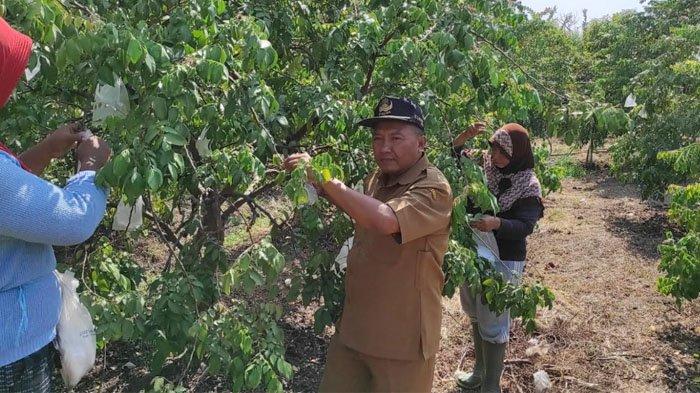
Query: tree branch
[[563, 98], [243, 199], [366, 87], [165, 231], [302, 131]]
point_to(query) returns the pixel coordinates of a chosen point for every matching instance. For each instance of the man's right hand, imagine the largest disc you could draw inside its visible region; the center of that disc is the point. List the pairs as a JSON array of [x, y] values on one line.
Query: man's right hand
[[92, 154], [473, 130], [294, 160]]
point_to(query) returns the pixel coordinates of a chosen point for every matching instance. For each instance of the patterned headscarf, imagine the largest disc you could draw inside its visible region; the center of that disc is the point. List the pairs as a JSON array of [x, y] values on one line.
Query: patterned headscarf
[[517, 180]]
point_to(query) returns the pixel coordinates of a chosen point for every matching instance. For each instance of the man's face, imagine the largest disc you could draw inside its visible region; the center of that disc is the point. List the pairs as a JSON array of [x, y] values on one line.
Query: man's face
[[396, 146]]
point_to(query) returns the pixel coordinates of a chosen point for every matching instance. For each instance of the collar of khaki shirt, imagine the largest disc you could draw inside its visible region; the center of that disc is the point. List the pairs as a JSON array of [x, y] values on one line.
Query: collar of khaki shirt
[[408, 177]]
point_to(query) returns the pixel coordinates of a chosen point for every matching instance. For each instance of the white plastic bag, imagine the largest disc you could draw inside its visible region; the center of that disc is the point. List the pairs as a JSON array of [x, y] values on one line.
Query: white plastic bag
[[311, 193], [486, 246], [85, 134], [75, 332], [203, 145], [542, 382], [127, 217], [110, 101], [341, 260]]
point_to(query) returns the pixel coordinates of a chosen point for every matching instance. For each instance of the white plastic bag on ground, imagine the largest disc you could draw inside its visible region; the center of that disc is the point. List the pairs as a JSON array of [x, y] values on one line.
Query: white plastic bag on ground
[[341, 260], [75, 332], [542, 382], [536, 348], [127, 217]]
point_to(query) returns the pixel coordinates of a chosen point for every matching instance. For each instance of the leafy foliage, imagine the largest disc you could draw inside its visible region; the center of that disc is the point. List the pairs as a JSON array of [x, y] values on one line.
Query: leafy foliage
[[685, 206], [680, 259], [655, 60], [214, 93], [680, 263]]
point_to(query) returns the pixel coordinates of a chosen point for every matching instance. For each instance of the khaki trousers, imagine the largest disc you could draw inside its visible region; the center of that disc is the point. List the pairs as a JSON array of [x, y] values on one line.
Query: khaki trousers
[[350, 371]]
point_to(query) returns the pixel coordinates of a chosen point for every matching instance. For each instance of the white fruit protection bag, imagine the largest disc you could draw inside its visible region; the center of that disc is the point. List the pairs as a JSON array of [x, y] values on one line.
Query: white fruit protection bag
[[75, 332]]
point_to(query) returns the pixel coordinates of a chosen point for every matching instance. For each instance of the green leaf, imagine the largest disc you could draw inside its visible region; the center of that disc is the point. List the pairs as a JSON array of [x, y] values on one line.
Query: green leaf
[[173, 138], [74, 52], [179, 160], [135, 185], [150, 63], [468, 41], [160, 107], [151, 134], [284, 368], [265, 56], [121, 164], [62, 58], [253, 376], [134, 51], [105, 75], [155, 178]]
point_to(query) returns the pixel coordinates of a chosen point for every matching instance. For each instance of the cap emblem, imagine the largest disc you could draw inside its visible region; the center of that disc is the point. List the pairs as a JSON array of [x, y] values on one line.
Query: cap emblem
[[385, 107]]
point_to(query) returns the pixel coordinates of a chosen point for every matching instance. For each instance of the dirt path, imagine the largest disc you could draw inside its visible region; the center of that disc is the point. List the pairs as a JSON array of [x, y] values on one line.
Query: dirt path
[[609, 330]]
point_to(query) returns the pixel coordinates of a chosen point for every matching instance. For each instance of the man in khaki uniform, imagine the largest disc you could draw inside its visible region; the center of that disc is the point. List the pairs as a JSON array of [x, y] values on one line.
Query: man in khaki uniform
[[389, 331]]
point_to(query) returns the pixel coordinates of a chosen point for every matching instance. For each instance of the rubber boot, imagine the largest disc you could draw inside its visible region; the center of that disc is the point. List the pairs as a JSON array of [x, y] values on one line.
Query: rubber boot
[[473, 380], [493, 367]]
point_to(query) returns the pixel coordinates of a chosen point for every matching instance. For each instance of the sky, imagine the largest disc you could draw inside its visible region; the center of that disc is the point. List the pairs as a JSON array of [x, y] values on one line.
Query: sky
[[596, 8]]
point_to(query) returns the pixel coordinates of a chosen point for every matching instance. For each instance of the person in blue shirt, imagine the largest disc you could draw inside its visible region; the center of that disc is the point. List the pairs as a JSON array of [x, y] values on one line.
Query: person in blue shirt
[[34, 216]]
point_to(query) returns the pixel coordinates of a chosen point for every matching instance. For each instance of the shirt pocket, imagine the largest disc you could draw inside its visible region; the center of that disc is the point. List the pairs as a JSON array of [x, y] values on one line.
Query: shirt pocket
[[429, 275]]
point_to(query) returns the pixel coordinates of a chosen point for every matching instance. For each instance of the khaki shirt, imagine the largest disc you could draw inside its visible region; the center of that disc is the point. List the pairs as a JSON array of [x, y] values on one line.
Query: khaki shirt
[[393, 285]]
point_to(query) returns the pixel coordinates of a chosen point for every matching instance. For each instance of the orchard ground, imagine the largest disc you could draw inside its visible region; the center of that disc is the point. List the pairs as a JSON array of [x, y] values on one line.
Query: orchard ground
[[609, 331]]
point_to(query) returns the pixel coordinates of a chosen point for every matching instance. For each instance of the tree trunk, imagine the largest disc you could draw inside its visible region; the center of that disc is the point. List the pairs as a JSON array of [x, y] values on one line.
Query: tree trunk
[[589, 154], [213, 221]]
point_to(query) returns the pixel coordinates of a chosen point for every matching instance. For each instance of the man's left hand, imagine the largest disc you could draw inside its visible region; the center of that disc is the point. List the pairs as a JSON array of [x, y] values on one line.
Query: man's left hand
[[486, 223]]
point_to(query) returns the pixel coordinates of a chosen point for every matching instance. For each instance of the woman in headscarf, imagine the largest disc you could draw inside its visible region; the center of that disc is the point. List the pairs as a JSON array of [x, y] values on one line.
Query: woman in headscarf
[[509, 166], [34, 216]]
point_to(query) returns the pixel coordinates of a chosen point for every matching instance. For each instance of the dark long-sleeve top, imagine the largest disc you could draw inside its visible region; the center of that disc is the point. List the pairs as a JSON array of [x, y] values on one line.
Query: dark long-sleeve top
[[517, 223]]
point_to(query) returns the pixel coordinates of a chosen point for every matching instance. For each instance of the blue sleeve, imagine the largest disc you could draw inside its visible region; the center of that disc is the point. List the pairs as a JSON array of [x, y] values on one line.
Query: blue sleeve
[[521, 224], [36, 211]]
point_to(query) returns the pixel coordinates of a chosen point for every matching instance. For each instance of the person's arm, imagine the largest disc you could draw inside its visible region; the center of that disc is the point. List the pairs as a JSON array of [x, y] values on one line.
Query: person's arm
[[473, 130], [424, 209], [39, 156], [36, 211], [367, 212], [527, 214]]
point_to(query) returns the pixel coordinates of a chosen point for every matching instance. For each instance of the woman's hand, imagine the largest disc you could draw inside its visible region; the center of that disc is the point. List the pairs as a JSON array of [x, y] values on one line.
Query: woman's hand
[[92, 154], [486, 223], [56, 145], [473, 130], [62, 140]]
